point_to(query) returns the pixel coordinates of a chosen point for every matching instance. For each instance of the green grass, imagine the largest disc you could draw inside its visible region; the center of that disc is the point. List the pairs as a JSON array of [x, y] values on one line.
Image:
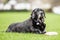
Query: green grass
[[6, 18]]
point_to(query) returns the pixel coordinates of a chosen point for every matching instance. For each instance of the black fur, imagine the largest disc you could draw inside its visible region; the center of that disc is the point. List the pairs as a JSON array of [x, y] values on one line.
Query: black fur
[[35, 24]]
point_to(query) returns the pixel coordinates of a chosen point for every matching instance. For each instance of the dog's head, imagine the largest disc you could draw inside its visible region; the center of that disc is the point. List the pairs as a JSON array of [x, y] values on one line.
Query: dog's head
[[38, 15]]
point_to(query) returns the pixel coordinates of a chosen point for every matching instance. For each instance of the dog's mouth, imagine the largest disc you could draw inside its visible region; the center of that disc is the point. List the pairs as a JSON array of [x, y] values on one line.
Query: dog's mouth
[[39, 21]]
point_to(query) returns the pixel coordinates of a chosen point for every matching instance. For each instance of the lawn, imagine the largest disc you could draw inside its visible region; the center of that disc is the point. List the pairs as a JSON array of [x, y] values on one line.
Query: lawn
[[6, 18]]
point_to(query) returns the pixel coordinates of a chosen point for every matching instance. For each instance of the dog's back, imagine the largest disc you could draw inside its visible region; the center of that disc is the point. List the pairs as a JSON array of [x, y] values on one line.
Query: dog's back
[[20, 27]]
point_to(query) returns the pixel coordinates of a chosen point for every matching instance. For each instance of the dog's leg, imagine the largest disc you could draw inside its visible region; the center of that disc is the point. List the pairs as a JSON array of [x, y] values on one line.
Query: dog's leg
[[44, 26], [37, 31]]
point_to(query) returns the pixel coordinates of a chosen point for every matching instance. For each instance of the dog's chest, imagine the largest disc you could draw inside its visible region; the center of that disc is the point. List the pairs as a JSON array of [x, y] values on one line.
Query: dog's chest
[[36, 26]]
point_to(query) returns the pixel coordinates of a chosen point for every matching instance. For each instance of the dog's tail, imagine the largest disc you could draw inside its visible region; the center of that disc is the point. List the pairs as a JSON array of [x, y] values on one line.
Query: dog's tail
[[3, 31], [8, 30]]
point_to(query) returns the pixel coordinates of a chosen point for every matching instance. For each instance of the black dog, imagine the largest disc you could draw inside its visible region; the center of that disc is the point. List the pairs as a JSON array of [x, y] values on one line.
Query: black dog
[[35, 24]]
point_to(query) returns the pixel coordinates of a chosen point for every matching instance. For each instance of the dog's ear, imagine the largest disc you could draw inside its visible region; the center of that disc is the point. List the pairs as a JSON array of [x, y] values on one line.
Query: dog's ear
[[32, 15], [44, 14]]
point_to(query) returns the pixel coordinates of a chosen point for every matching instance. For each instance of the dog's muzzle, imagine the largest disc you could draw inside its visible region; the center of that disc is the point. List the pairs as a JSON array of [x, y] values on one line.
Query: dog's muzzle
[[38, 22]]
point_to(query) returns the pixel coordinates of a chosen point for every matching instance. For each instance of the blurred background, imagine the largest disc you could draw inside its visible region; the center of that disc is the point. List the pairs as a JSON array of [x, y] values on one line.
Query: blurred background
[[12, 11], [47, 5]]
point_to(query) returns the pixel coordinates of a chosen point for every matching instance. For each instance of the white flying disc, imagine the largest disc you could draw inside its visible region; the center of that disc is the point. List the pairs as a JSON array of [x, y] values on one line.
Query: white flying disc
[[51, 33]]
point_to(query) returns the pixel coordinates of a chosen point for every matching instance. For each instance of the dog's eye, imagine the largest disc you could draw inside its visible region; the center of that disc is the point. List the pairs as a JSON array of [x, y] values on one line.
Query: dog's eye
[[42, 14]]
